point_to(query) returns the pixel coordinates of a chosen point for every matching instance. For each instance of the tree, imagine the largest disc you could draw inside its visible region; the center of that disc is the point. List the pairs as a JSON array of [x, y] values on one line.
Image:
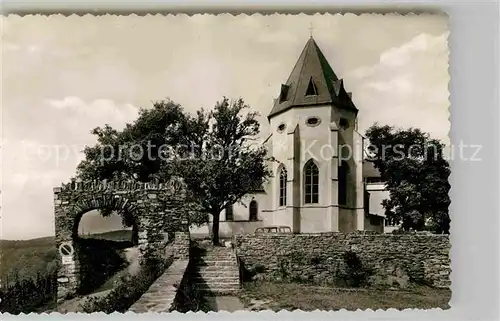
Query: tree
[[136, 151], [227, 164], [139, 151], [212, 152], [416, 175]]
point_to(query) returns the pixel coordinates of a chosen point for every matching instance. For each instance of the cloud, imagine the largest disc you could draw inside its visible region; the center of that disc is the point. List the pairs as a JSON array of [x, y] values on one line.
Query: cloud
[[96, 112], [35, 161], [408, 87], [62, 76], [423, 44]]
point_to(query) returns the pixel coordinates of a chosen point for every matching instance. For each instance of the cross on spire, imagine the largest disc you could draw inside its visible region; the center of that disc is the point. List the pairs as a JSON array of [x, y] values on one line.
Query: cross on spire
[[311, 29]]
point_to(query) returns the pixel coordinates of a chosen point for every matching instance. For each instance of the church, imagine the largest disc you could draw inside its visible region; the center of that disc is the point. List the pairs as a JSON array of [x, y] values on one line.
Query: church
[[320, 181]]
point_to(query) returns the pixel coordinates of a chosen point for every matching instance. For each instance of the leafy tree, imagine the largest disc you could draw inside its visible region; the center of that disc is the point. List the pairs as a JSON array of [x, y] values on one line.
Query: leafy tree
[[141, 150], [211, 151], [228, 165], [134, 153], [416, 175]]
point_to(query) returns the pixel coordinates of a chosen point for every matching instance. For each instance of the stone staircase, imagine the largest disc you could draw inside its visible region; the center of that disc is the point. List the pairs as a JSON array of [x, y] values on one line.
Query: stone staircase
[[216, 270]]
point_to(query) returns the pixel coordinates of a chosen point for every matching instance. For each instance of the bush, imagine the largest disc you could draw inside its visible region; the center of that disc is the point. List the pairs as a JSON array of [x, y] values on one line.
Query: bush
[[99, 260], [24, 296], [354, 274], [129, 291]]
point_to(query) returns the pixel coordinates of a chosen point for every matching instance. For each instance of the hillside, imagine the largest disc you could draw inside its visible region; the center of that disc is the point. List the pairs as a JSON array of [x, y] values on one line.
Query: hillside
[[26, 258], [119, 235]]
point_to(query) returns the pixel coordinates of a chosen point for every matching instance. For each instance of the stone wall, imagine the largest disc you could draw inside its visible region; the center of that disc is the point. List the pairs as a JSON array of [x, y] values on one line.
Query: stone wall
[[318, 258], [128, 291], [161, 295], [153, 209], [179, 248]]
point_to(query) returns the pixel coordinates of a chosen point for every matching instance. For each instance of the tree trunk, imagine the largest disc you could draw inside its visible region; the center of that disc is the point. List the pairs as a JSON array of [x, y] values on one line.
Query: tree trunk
[[215, 228]]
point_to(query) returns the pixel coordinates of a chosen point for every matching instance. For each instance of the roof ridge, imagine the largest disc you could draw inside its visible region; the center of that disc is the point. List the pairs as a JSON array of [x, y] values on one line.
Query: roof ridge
[[296, 63], [302, 67]]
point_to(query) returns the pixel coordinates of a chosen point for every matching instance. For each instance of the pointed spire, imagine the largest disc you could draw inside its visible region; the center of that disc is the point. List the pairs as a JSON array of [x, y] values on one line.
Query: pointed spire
[[311, 82]]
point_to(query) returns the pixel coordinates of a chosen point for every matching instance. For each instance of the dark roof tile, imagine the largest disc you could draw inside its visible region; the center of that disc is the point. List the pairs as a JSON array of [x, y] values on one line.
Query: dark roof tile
[[312, 66]]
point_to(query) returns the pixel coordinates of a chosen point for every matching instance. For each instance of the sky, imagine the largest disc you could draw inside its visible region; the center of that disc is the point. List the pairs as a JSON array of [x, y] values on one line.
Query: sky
[[63, 76]]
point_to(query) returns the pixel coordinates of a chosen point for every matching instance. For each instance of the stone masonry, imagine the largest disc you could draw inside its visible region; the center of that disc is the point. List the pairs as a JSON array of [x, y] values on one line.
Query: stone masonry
[[217, 271], [179, 248], [153, 209], [318, 257], [161, 295]]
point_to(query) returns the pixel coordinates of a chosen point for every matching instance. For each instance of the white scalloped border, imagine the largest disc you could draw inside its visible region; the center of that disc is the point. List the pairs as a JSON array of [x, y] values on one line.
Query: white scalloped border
[[390, 313]]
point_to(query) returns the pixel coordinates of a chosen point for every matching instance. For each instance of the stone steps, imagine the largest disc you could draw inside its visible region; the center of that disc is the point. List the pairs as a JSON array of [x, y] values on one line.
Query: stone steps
[[213, 268], [215, 263], [217, 271], [214, 280], [219, 254], [215, 257], [216, 275]]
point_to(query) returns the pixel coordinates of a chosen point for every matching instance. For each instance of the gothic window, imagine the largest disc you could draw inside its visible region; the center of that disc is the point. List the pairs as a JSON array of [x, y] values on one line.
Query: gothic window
[[253, 209], [342, 186], [311, 186], [283, 187], [229, 212], [311, 88]]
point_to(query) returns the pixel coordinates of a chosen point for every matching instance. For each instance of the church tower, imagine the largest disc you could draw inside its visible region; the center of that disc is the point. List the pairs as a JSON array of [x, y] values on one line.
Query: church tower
[[317, 184]]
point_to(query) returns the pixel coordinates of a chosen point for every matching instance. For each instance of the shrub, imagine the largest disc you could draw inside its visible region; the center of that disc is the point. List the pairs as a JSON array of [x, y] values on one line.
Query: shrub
[[99, 259], [354, 274], [24, 296], [129, 291]]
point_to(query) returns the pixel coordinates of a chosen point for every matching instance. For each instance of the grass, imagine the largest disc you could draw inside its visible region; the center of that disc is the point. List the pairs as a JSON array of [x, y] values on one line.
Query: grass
[[26, 258], [119, 235], [292, 296]]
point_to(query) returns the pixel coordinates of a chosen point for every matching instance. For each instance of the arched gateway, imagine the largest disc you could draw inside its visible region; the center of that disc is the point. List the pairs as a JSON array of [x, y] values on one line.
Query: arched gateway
[[154, 211]]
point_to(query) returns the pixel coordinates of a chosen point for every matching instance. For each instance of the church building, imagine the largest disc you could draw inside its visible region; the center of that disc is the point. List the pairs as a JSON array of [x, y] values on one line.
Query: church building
[[318, 183]]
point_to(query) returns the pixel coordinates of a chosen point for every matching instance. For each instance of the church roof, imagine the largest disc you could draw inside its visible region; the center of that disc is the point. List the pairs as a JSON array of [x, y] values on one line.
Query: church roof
[[312, 82]]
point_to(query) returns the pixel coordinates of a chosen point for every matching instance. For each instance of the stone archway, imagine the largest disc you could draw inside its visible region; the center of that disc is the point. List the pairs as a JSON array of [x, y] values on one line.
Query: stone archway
[[106, 201], [154, 210]]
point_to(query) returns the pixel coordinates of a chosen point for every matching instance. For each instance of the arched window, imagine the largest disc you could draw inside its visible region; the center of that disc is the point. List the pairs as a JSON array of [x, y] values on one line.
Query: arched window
[[283, 187], [229, 212], [253, 210], [342, 188], [311, 186]]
